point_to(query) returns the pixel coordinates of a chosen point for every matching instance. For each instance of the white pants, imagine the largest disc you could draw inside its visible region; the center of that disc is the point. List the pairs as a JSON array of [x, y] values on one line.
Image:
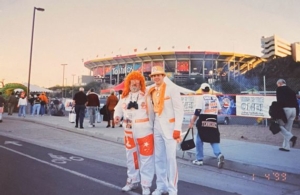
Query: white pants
[[165, 161], [286, 129], [139, 153]]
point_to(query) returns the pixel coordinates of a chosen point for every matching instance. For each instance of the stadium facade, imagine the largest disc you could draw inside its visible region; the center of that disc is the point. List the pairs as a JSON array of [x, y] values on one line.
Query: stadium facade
[[177, 64]]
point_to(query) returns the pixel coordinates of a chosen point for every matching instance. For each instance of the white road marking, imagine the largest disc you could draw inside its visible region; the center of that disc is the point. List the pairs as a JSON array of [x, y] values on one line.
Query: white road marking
[[71, 171], [13, 142]]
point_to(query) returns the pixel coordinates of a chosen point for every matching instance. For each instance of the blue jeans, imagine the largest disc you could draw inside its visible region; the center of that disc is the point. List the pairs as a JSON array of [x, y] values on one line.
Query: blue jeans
[[92, 114], [42, 110], [36, 109], [199, 148], [22, 110]]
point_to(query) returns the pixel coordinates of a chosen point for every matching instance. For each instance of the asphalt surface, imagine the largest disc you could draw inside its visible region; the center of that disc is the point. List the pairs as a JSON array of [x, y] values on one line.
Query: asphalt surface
[[30, 169]]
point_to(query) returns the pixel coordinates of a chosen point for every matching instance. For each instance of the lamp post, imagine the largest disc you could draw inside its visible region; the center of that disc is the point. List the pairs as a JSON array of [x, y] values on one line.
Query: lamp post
[[66, 86], [32, 32], [62, 91]]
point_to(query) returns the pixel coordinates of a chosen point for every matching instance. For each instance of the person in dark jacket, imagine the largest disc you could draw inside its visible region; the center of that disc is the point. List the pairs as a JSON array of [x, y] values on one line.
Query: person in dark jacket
[[104, 112], [287, 100], [11, 103], [2, 102], [92, 105], [79, 100]]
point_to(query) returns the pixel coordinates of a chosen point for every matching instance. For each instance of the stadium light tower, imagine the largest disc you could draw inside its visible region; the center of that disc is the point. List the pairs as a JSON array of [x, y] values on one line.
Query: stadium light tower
[[32, 33]]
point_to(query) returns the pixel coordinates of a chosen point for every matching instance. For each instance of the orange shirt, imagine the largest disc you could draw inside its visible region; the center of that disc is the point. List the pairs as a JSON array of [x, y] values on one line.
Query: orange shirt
[[155, 97]]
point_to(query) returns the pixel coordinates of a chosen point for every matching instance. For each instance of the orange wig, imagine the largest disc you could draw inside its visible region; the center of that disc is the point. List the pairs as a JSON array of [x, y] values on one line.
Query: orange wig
[[134, 75]]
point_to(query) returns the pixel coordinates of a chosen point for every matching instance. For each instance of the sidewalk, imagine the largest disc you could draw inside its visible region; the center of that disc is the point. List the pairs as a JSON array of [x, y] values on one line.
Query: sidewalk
[[245, 157]]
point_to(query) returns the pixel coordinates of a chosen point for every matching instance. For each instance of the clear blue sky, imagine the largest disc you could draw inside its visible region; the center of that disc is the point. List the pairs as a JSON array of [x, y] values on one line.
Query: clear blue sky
[[71, 30]]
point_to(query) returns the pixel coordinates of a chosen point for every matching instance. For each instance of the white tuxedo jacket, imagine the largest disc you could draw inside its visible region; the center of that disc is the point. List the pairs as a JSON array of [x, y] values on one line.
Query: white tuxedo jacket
[[172, 115]]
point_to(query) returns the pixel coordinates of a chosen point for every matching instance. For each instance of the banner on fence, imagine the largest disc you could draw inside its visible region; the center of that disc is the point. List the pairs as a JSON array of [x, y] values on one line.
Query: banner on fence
[[254, 106]]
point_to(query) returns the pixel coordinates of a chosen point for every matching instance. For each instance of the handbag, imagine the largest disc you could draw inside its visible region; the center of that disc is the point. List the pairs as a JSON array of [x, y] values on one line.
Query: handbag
[[72, 115], [188, 144], [98, 116], [274, 127]]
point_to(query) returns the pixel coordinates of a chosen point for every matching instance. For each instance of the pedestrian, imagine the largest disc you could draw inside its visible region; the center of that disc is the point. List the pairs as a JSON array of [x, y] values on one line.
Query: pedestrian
[[2, 102], [168, 110], [92, 105], [11, 103], [138, 129], [31, 101], [103, 111], [111, 102], [44, 103], [79, 101], [36, 105], [287, 99], [22, 105], [207, 108]]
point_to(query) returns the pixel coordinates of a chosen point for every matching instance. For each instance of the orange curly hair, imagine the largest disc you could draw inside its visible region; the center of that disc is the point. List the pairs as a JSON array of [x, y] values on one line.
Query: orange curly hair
[[134, 75]]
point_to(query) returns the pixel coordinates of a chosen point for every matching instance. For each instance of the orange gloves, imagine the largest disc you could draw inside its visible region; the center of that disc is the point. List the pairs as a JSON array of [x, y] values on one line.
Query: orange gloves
[[176, 135]]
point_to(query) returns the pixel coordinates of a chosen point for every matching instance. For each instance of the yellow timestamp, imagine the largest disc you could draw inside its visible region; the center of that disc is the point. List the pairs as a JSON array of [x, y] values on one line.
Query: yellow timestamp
[[275, 176]]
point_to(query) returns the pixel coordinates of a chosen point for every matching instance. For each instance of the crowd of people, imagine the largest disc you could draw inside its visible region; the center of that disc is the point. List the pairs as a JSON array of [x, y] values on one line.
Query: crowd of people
[[37, 104]]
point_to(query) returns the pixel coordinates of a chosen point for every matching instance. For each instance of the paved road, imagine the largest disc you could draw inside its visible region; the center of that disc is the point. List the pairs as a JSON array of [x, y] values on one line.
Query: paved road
[[30, 169]]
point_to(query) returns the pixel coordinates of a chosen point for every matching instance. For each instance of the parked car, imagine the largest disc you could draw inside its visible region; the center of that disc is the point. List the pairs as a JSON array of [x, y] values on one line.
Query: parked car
[[224, 119]]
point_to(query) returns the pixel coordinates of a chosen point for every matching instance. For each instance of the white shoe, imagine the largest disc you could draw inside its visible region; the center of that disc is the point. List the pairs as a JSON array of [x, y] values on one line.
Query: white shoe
[[146, 190], [220, 161], [158, 192], [198, 162], [90, 126], [130, 186]]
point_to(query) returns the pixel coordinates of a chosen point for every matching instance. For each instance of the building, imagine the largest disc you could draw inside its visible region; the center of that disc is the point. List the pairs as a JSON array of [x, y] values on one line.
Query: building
[[177, 64]]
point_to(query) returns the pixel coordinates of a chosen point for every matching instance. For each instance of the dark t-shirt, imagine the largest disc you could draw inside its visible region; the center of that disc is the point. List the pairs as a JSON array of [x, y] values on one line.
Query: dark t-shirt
[[80, 98], [287, 98]]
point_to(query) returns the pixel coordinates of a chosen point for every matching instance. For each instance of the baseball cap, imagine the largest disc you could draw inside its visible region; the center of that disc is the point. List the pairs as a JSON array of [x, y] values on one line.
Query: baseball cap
[[204, 85]]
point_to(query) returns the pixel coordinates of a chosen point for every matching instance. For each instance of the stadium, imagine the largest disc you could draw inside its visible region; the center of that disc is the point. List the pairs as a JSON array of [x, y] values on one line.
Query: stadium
[[179, 65]]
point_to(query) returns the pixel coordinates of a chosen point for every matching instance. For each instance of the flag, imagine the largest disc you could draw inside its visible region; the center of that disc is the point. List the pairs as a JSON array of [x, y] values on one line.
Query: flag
[[173, 47], [189, 47], [145, 49], [158, 48], [135, 50]]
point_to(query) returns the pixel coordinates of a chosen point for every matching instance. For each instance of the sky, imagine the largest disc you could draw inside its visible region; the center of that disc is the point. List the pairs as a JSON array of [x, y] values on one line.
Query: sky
[[72, 31]]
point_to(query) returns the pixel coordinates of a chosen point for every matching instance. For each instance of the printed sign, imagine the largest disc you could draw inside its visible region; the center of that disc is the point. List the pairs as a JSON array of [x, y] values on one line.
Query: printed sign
[[254, 106]]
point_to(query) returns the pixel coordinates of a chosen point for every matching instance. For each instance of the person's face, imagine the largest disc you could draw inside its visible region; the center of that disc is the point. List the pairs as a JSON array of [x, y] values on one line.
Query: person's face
[[135, 85], [158, 78]]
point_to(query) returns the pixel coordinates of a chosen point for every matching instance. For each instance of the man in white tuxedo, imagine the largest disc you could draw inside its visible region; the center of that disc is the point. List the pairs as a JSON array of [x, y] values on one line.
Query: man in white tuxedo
[[168, 110]]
